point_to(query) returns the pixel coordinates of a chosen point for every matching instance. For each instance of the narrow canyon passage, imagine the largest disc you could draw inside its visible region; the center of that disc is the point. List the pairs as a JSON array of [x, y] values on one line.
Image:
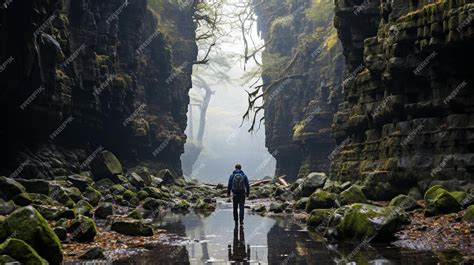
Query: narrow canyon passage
[[236, 132]]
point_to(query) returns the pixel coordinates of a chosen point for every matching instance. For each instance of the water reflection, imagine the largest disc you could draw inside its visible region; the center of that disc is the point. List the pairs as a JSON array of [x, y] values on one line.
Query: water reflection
[[213, 239], [238, 251]]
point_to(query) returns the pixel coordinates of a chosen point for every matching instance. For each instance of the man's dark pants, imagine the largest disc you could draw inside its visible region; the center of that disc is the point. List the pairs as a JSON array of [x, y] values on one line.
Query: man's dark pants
[[239, 202]]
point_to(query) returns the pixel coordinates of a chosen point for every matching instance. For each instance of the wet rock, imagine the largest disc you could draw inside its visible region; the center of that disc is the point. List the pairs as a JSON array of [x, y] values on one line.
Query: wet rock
[[132, 228], [443, 203], [405, 202], [92, 195], [277, 207], [39, 186], [9, 188], [104, 210], [168, 177], [154, 192], [220, 186], [145, 175], [181, 206], [469, 214], [82, 229], [94, 253], [106, 165], [19, 250], [84, 208], [80, 182], [103, 184], [135, 214], [357, 222], [60, 195], [203, 205], [73, 193], [5, 259], [22, 199], [312, 182], [128, 195], [55, 212], [301, 203], [28, 225], [61, 232], [117, 189], [352, 195], [136, 180], [321, 199], [319, 219], [142, 195], [7, 207], [260, 209], [151, 204]]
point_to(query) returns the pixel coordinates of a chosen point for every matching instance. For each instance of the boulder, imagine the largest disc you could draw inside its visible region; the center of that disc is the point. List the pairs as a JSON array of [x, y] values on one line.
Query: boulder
[[9, 188], [415, 193], [357, 222], [319, 219], [135, 214], [352, 195], [301, 203], [7, 208], [405, 202], [180, 205], [73, 193], [105, 165], [469, 214], [5, 259], [464, 198], [24, 199], [84, 208], [55, 212], [278, 207], [154, 192], [82, 229], [203, 205], [94, 253], [128, 195], [432, 192], [59, 195], [141, 195], [443, 203], [145, 175], [167, 177], [321, 199], [131, 227], [92, 195], [20, 251], [28, 225], [311, 183], [136, 180], [151, 204], [39, 186], [103, 184], [80, 182], [260, 209], [104, 210], [61, 232]]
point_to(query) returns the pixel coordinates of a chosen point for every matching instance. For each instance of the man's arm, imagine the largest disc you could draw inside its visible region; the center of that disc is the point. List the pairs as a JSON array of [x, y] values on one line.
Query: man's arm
[[247, 185], [229, 185]]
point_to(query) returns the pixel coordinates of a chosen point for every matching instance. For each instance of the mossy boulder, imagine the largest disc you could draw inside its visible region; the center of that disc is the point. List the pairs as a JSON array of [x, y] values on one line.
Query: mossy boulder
[[20, 251], [151, 204], [55, 212], [84, 208], [260, 209], [58, 194], [464, 198], [469, 214], [22, 199], [117, 189], [5, 259], [95, 253], [73, 193], [80, 182], [321, 199], [277, 207], [136, 180], [128, 195], [181, 205], [154, 192], [203, 205], [141, 195], [405, 202], [319, 218], [8, 207], [28, 225], [135, 214], [105, 165], [9, 188], [104, 210], [352, 195], [131, 227], [92, 195], [82, 229], [61, 232], [432, 192], [311, 183], [103, 184], [39, 186], [443, 203], [301, 203], [358, 221]]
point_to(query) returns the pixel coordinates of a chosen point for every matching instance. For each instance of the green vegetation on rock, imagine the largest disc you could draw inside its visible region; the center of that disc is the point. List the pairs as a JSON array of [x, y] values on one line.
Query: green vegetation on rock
[[321, 199], [352, 195], [22, 252], [443, 203]]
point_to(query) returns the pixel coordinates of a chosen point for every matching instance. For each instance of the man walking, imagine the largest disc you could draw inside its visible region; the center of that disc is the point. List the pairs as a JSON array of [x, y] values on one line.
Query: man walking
[[239, 186]]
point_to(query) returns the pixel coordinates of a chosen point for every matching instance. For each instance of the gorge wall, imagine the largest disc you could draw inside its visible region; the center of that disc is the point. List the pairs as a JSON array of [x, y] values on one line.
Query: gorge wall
[[407, 115], [81, 76], [302, 73]]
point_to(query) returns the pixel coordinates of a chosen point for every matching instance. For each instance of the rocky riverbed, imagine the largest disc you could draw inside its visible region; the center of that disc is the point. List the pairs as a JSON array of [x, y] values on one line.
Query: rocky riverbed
[[110, 213]]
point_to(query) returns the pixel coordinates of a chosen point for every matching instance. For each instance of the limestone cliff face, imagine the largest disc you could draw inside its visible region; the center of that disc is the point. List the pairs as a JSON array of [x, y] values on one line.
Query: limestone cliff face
[[78, 76], [407, 115], [302, 70]]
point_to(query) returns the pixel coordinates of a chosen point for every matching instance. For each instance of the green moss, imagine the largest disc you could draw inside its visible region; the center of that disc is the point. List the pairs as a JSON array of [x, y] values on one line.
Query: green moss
[[352, 195], [22, 252], [319, 218], [117, 189], [142, 195], [84, 208], [464, 198], [83, 229], [28, 225], [128, 195], [432, 192], [321, 199], [101, 59], [93, 196], [444, 203], [469, 214], [135, 214], [405, 202]]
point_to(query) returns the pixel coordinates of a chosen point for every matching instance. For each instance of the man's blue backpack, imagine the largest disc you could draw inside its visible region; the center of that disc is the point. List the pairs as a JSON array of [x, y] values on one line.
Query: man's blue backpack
[[238, 186]]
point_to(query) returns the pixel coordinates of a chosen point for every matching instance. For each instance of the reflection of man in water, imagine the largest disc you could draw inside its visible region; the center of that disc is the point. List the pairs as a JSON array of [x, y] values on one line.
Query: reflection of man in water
[[240, 253]]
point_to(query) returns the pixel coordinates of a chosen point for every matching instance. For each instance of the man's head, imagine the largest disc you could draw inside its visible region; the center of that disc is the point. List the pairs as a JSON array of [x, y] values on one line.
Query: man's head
[[238, 166]]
